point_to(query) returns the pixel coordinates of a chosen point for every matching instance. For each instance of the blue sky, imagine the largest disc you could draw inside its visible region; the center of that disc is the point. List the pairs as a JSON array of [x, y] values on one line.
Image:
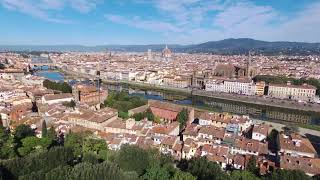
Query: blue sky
[[97, 22]]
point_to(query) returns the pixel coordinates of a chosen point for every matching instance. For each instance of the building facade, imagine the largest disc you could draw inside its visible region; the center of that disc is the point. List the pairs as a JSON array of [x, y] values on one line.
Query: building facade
[[303, 92]]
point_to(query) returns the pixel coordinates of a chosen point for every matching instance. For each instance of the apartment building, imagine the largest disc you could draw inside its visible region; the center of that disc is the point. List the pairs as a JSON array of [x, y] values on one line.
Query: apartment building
[[237, 86], [303, 92], [259, 88]]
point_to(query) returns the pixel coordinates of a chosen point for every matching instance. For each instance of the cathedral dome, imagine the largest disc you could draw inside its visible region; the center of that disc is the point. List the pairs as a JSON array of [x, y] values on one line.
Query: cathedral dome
[[167, 53]]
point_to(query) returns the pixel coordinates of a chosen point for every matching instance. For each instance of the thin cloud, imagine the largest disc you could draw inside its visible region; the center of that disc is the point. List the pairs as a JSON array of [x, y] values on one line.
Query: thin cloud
[[137, 22], [45, 9]]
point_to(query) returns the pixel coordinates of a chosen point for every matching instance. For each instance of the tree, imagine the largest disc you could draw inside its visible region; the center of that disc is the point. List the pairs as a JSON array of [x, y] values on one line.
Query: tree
[[75, 142], [131, 175], [23, 131], [41, 162], [32, 144], [138, 116], [123, 115], [44, 131], [90, 157], [203, 169], [95, 146], [63, 87], [283, 174], [156, 173], [243, 175], [180, 175], [2, 66], [252, 166], [7, 144], [88, 171], [273, 140], [52, 133], [182, 117], [60, 172], [28, 144], [150, 115], [4, 134], [289, 129], [123, 102], [316, 177], [132, 158], [71, 104], [34, 107]]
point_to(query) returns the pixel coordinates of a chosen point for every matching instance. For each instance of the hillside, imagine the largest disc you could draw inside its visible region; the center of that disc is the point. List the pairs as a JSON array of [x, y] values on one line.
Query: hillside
[[226, 46]]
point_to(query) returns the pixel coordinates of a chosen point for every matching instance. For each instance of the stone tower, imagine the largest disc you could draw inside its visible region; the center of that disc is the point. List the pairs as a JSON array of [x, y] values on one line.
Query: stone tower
[[248, 70]]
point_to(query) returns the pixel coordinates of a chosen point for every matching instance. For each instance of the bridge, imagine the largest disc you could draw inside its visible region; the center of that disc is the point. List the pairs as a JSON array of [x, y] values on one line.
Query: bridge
[[41, 61]]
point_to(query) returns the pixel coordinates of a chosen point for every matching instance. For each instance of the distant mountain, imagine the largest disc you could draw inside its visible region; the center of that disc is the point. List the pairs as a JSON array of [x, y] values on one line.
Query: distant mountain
[[226, 46], [244, 45], [99, 48]]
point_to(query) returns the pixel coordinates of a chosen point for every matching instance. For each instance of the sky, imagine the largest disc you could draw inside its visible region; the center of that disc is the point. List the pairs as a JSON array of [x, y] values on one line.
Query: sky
[[101, 22]]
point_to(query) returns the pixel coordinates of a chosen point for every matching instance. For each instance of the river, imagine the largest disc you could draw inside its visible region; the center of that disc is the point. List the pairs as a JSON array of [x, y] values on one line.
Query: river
[[266, 113]]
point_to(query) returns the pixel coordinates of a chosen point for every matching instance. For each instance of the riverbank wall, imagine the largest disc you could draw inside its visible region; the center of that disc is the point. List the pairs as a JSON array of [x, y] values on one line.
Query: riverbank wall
[[253, 100], [261, 101]]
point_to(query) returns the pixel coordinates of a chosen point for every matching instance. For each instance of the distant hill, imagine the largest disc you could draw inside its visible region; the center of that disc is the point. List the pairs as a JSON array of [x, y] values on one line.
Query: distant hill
[[226, 46], [244, 45], [81, 48]]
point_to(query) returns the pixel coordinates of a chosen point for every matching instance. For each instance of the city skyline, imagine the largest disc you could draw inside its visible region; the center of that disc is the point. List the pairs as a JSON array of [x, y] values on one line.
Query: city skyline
[[98, 22]]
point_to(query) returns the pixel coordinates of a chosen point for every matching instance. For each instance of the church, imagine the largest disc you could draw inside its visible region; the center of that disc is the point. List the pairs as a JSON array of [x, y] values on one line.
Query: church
[[166, 55]]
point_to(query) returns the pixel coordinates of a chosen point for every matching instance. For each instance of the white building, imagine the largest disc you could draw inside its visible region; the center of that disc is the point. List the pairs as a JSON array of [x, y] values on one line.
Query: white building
[[295, 92], [260, 132], [237, 86], [56, 98], [297, 146]]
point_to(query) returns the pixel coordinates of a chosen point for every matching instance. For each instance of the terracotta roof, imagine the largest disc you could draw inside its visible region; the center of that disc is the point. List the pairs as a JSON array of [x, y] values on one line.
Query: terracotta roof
[[216, 158], [145, 142], [216, 149], [164, 105], [165, 129], [94, 116], [192, 130], [291, 143], [169, 140], [119, 123], [238, 120], [251, 145], [86, 89], [238, 159], [49, 97], [215, 117], [178, 146], [216, 132], [261, 128], [308, 165]]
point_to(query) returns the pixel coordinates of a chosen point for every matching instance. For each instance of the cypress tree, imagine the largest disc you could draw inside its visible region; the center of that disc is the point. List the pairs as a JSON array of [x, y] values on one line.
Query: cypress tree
[[44, 129]]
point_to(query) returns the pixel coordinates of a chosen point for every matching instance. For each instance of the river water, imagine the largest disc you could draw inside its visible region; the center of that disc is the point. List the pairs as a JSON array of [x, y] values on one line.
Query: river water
[[267, 113]]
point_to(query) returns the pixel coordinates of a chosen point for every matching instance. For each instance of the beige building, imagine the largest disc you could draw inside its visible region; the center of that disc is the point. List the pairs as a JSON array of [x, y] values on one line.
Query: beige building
[[259, 88], [176, 81], [94, 119], [295, 92]]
